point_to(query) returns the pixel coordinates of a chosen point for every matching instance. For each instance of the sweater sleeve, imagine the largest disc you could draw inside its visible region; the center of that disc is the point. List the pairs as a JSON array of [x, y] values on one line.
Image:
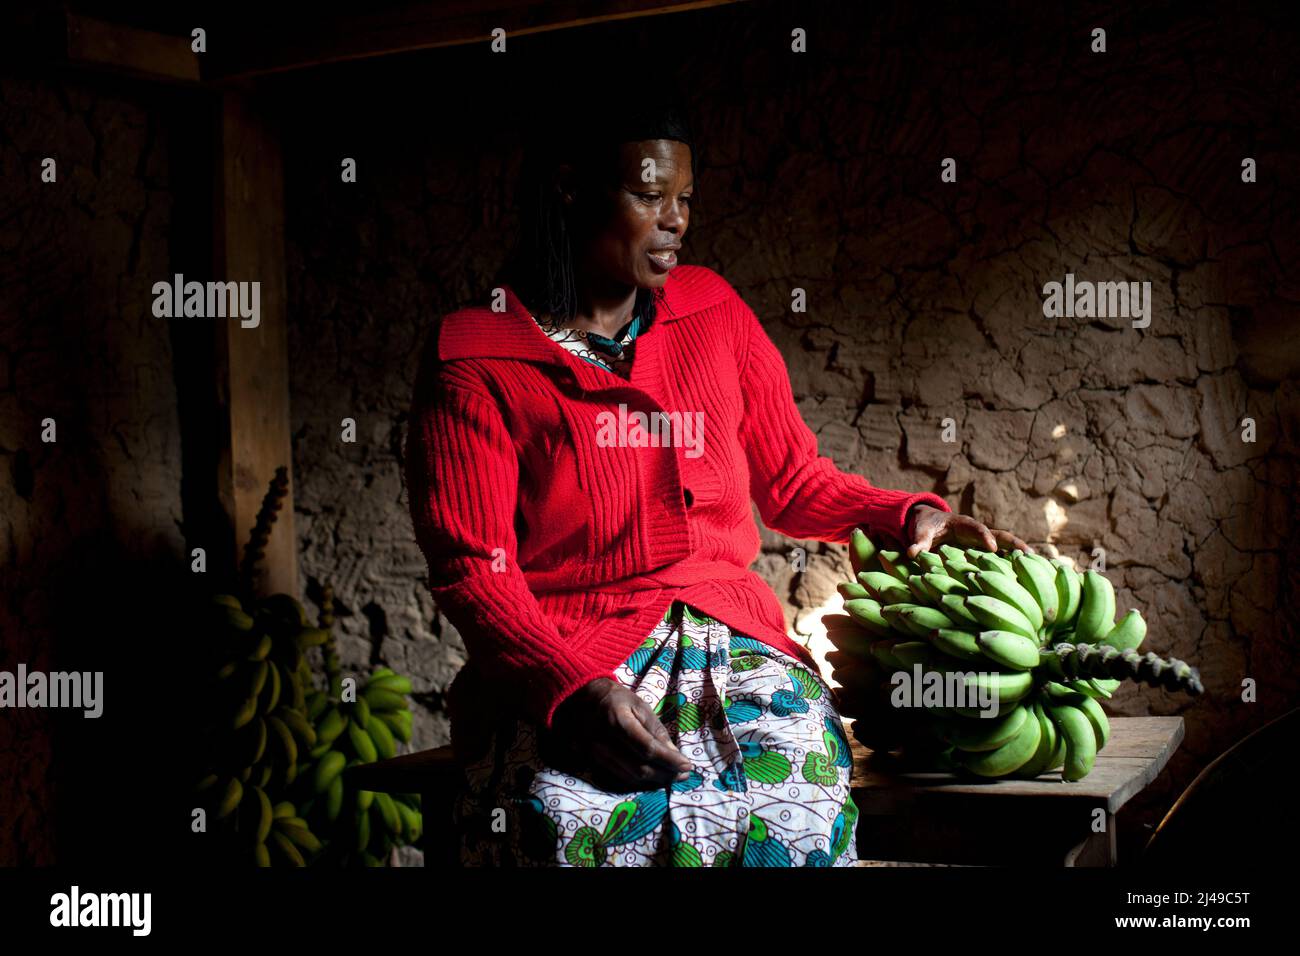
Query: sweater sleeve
[[800, 493], [463, 481]]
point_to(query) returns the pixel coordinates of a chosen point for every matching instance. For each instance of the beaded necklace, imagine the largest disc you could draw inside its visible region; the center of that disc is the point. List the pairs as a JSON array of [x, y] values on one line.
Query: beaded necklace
[[603, 351]]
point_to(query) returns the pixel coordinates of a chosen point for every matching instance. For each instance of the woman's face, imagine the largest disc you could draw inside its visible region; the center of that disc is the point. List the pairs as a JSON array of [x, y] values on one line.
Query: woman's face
[[635, 227]]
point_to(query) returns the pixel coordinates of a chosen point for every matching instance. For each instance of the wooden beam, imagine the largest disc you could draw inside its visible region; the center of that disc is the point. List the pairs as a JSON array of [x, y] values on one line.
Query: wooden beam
[[252, 363], [102, 45], [288, 45]]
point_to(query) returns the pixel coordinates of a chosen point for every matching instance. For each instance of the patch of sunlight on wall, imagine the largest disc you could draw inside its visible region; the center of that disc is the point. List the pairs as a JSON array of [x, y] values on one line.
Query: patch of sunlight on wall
[[811, 632], [1056, 519], [1053, 513]]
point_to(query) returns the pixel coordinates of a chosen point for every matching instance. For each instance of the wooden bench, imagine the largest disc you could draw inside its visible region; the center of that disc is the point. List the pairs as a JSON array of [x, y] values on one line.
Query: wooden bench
[[436, 777], [940, 818], [913, 817]]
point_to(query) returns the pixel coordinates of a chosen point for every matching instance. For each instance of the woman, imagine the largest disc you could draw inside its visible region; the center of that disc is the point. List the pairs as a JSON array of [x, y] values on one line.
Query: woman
[[582, 459]]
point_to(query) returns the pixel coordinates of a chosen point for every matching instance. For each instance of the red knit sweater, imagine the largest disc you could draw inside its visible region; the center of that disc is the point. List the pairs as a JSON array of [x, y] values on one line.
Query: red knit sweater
[[555, 552]]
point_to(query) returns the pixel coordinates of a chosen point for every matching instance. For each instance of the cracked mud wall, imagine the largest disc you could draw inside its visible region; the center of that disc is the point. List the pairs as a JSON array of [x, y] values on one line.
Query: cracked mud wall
[[91, 521], [924, 299]]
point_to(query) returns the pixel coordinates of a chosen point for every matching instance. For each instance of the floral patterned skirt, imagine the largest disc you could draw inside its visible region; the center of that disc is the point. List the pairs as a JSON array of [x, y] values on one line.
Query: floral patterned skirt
[[770, 785]]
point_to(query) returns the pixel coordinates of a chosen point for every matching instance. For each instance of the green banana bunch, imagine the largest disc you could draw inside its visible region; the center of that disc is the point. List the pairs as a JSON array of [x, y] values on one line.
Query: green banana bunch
[[317, 701], [884, 587], [360, 742], [299, 726], [1010, 756], [255, 751], [1026, 632], [955, 607], [955, 561], [383, 700], [399, 722], [867, 614], [1081, 740], [285, 849], [256, 731], [977, 736], [330, 727], [1129, 633], [382, 736], [893, 563], [334, 795], [853, 635], [388, 813], [852, 590], [257, 814], [959, 645], [1096, 609], [408, 808], [359, 827], [861, 550], [1009, 649], [327, 769], [1069, 590], [939, 584], [297, 832], [914, 619], [1037, 576], [231, 796], [929, 561], [999, 615], [1004, 688], [1005, 588], [1042, 758]]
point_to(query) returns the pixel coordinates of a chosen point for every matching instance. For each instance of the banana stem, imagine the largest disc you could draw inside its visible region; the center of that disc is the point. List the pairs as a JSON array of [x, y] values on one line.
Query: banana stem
[[261, 533], [1074, 661]]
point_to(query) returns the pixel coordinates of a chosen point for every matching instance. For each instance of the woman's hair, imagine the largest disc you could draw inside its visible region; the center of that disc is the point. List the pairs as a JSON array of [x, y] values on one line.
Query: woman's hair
[[540, 267]]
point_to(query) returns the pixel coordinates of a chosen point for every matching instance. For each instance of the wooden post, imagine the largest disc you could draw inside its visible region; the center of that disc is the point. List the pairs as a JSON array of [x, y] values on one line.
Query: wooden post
[[285, 41], [252, 367], [103, 45]]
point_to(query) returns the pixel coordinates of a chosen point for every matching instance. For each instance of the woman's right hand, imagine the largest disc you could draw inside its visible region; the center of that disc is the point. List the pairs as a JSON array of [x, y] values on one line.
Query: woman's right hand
[[616, 734]]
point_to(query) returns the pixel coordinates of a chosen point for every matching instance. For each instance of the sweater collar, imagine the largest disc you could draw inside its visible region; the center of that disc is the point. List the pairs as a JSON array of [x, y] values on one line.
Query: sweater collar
[[479, 332]]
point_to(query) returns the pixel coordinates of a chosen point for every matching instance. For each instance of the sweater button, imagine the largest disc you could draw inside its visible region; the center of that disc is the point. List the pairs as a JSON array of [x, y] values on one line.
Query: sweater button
[[690, 498]]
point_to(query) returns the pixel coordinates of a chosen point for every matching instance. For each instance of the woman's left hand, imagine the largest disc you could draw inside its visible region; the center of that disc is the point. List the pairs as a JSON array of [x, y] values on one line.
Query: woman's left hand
[[928, 527]]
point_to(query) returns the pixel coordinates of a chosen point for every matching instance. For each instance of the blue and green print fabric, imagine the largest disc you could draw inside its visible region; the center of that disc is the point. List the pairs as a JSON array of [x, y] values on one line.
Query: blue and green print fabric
[[770, 784]]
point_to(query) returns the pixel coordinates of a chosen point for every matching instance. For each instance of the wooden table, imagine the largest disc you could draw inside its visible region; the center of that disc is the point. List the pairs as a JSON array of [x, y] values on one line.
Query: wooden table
[[940, 818], [913, 817]]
